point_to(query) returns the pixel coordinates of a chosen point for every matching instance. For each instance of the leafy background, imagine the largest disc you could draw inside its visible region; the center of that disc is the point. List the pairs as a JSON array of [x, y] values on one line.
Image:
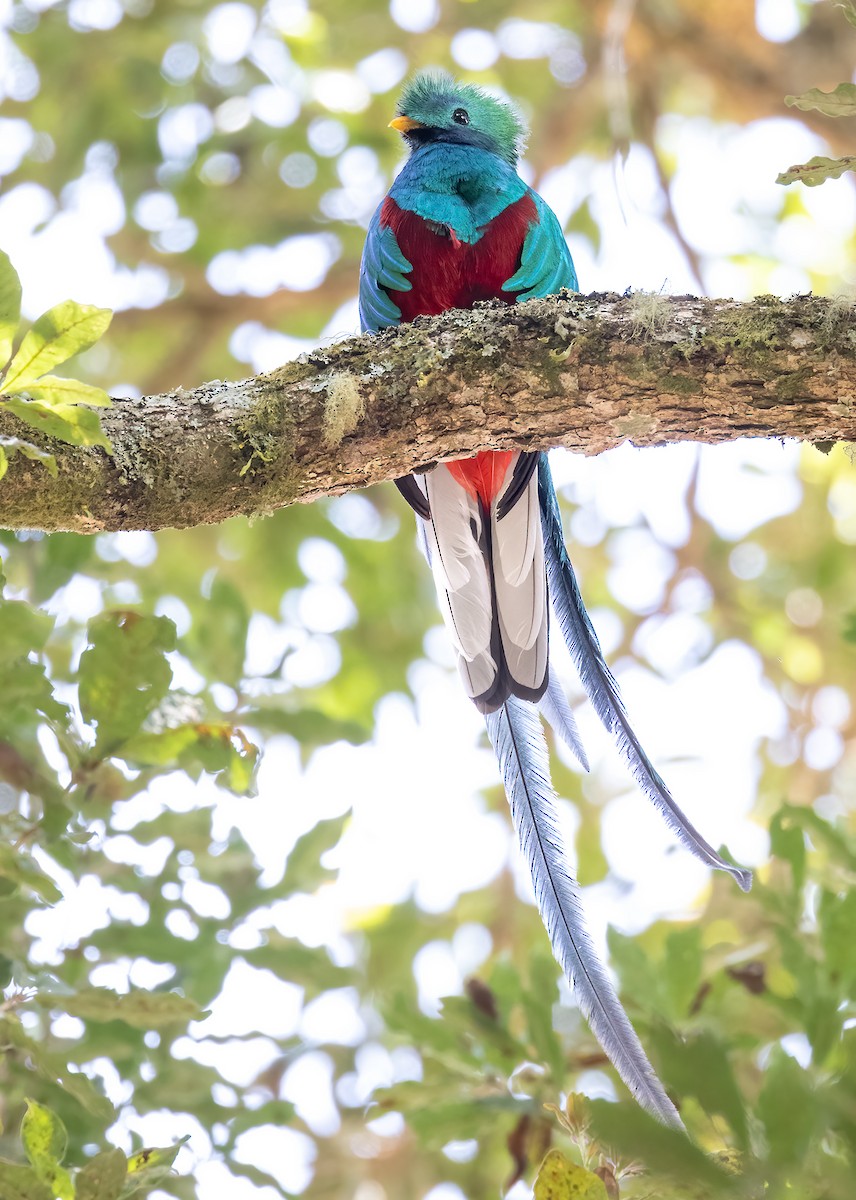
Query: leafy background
[[385, 1018]]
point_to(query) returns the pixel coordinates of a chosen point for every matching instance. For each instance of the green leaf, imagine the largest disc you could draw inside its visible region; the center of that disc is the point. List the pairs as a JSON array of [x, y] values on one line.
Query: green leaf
[[147, 1168], [23, 870], [823, 1021], [639, 975], [162, 749], [817, 170], [309, 966], [14, 445], [10, 307], [787, 841], [307, 726], [273, 1112], [837, 916], [822, 832], [124, 674], [26, 691], [303, 870], [138, 1008], [437, 1039], [507, 988], [631, 1132], [840, 103], [62, 556], [71, 423], [22, 1183], [54, 390], [436, 1120], [538, 1004], [486, 1038], [239, 773], [52, 1068], [45, 1141], [218, 748], [788, 1109], [23, 629], [681, 970], [103, 1177], [699, 1066], [61, 332], [216, 641], [561, 1179]]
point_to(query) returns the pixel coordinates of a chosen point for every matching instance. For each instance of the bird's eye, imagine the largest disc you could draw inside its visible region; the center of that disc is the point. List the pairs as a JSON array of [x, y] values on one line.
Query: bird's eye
[[461, 117]]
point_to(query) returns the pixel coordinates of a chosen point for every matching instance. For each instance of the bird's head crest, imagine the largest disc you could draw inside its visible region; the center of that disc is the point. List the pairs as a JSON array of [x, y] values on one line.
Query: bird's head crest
[[436, 107]]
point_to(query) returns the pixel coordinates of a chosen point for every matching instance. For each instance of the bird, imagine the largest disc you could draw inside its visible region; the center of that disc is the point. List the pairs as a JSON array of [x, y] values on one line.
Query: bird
[[458, 226]]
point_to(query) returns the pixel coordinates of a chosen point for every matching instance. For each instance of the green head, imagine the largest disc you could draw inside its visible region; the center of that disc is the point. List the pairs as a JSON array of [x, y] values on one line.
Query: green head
[[434, 107]]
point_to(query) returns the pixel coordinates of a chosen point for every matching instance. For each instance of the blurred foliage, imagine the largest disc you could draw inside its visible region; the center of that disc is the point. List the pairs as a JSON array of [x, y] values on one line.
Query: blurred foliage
[[109, 1175], [49, 403], [216, 138], [839, 103]]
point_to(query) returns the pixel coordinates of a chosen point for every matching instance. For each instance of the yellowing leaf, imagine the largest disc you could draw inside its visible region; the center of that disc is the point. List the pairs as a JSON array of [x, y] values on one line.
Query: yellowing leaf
[[145, 1159], [147, 1168], [840, 103], [10, 306], [13, 445], [788, 1107], [61, 332], [561, 1179], [43, 1135], [53, 390], [817, 170], [45, 1140], [219, 748]]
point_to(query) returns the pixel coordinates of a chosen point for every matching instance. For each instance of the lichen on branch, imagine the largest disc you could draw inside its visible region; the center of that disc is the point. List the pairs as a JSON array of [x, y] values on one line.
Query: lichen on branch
[[586, 372]]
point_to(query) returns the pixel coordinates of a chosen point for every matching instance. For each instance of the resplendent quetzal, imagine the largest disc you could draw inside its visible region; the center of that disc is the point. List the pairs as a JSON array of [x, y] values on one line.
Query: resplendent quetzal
[[460, 225]]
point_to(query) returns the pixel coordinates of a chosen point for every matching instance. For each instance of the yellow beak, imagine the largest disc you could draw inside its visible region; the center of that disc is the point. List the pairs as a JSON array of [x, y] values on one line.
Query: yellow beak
[[404, 124]]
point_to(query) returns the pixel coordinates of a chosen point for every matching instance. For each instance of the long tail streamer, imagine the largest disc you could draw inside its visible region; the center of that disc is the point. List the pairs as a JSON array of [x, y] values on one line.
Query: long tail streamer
[[600, 684], [518, 739], [556, 709]]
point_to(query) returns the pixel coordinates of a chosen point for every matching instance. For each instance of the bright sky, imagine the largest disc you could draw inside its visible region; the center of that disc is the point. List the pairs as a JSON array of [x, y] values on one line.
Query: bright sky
[[426, 831]]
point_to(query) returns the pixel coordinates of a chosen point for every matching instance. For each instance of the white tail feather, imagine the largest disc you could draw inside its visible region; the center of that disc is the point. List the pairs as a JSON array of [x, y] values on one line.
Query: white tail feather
[[491, 583]]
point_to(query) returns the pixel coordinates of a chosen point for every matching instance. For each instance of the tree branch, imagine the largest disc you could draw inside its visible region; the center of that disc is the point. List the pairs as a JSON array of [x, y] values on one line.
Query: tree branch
[[587, 372]]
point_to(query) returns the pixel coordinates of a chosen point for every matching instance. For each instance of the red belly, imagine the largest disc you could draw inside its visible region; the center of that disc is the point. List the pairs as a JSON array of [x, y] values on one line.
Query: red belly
[[448, 273]]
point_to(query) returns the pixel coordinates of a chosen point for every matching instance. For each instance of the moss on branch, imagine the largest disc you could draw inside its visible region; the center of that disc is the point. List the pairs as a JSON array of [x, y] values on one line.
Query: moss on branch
[[587, 372]]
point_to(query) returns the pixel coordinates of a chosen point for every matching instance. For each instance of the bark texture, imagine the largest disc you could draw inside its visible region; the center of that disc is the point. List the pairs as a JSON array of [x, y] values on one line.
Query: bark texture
[[586, 372]]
